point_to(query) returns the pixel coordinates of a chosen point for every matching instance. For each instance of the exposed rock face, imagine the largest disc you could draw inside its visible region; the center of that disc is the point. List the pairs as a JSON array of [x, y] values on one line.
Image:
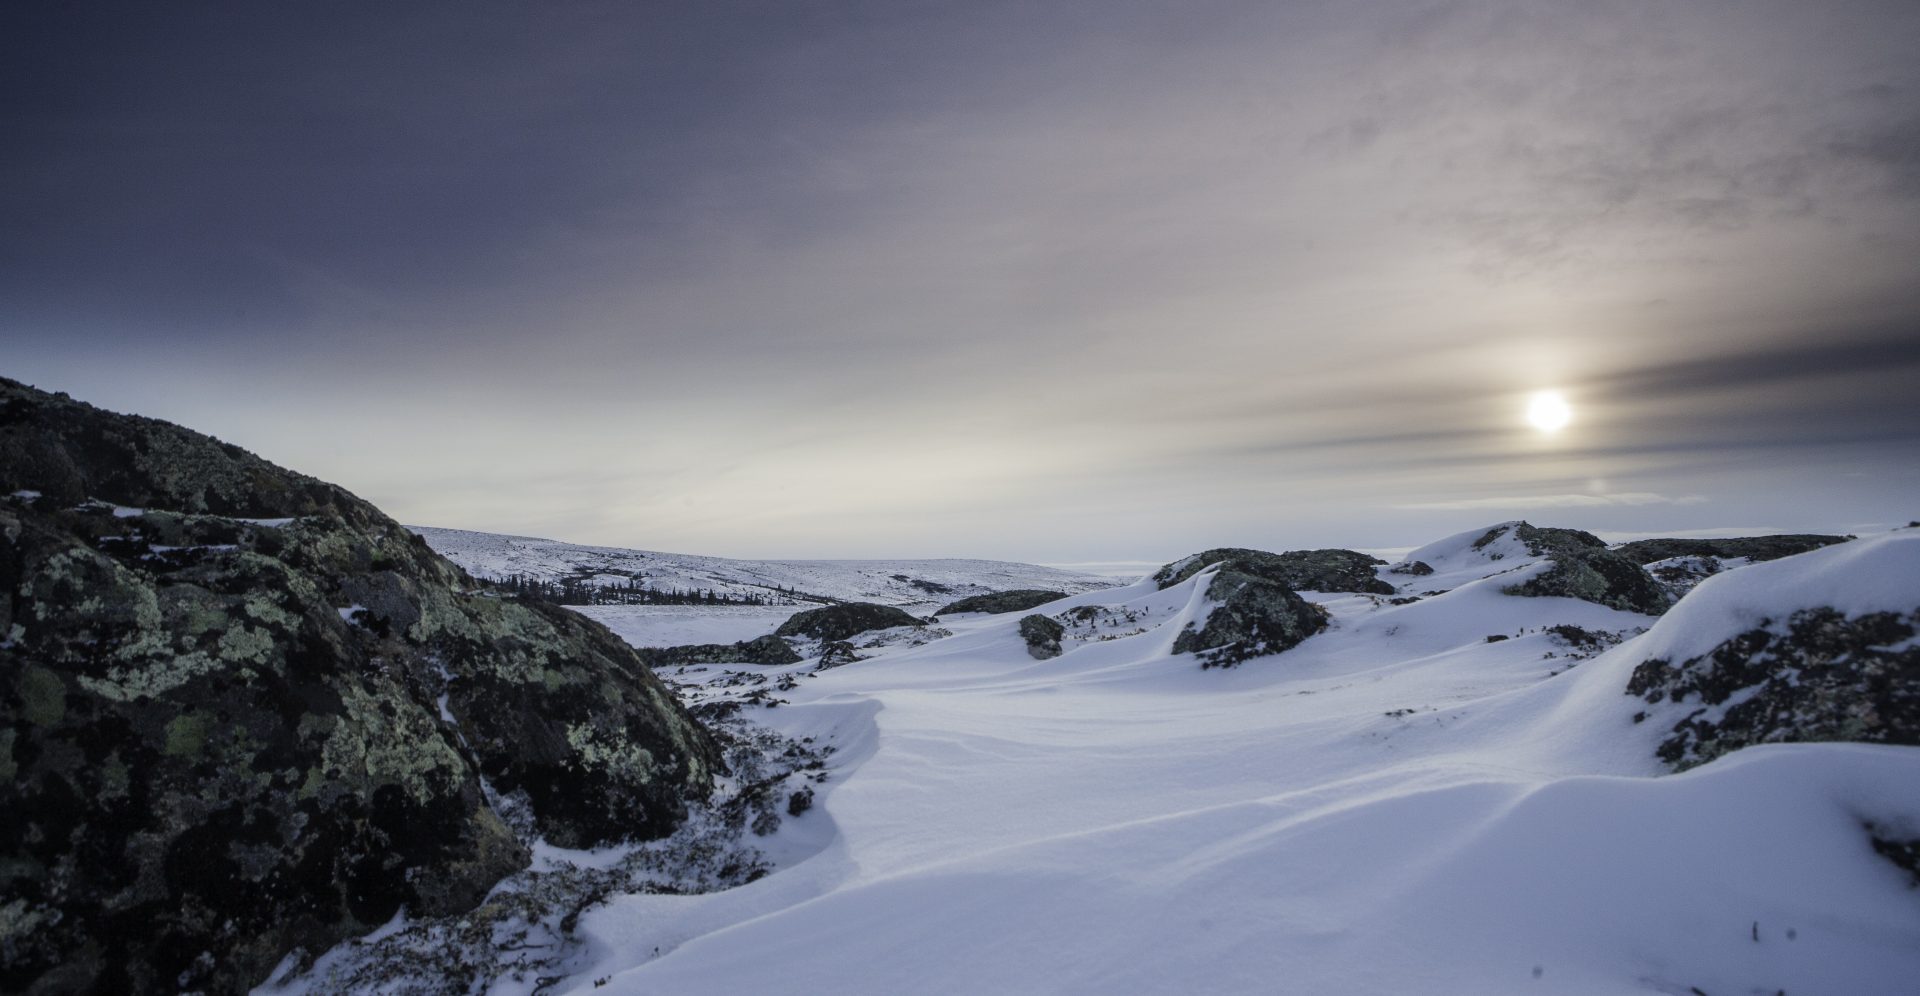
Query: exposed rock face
[[1412, 568], [760, 650], [1042, 635], [1257, 613], [1817, 676], [1301, 570], [1583, 568], [1003, 601], [227, 739], [1753, 548], [845, 621]]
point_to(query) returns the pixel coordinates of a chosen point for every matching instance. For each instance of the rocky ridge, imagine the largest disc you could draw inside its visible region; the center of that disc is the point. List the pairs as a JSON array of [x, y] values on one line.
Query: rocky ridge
[[248, 714]]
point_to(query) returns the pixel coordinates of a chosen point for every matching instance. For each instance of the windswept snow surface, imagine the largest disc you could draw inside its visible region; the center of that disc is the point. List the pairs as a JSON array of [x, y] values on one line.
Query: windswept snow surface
[[887, 582], [1394, 806]]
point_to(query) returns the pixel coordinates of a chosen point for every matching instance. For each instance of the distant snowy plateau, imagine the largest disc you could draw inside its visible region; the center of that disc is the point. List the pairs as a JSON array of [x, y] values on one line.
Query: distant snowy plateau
[[1452, 787]]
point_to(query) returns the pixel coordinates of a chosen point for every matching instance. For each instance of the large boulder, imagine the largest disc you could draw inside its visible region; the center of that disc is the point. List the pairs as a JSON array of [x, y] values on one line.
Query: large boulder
[[845, 621], [1300, 570], [248, 714], [1042, 636], [1255, 611], [1018, 600], [1582, 567], [1820, 647]]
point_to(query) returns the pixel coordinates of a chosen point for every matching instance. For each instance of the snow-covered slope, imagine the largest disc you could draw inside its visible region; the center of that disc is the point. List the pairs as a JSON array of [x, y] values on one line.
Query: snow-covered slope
[[888, 582], [1439, 793], [1396, 805]]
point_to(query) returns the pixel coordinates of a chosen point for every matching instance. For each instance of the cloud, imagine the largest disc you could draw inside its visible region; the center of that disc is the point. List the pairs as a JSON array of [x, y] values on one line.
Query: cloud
[[1628, 499]]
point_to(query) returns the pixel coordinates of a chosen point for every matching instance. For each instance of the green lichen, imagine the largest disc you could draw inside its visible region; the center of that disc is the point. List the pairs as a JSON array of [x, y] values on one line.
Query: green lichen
[[186, 736], [597, 750], [43, 696]]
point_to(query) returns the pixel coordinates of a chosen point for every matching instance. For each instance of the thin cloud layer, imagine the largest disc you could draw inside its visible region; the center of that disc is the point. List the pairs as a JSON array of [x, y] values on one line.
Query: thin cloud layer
[[1007, 280]]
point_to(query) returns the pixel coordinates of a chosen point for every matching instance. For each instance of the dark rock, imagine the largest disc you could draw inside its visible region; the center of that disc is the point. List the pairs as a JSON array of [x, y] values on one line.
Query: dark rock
[[1584, 568], [1412, 568], [760, 650], [1819, 676], [1754, 548], [1003, 601], [1498, 638], [1042, 635], [1300, 570], [844, 621], [1255, 617], [224, 739]]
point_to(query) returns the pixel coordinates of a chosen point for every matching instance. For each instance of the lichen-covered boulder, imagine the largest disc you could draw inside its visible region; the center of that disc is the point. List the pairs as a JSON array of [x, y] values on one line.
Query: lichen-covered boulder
[[248, 714], [1582, 567], [1018, 600], [1042, 635], [1816, 675], [1255, 614], [1300, 570], [845, 621]]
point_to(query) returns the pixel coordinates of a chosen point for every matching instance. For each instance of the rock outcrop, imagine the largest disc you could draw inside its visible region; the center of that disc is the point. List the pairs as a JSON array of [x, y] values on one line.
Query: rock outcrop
[[1042, 635], [248, 714], [1300, 570], [1824, 646], [1816, 675], [845, 621], [1019, 600], [1583, 568], [1257, 612], [1753, 548]]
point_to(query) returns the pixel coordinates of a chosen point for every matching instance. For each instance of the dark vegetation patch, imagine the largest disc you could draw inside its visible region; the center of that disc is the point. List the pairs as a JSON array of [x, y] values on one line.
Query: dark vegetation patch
[[760, 650], [1019, 600]]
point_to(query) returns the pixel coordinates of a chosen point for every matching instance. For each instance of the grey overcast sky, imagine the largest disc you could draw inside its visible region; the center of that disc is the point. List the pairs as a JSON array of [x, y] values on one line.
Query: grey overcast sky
[[1048, 281]]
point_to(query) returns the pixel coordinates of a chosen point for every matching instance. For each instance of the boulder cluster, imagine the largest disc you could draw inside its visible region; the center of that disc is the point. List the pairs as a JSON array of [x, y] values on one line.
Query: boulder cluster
[[1583, 567]]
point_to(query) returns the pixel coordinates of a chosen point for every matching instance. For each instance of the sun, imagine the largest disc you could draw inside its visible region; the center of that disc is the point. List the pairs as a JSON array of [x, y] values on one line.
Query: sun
[[1548, 411]]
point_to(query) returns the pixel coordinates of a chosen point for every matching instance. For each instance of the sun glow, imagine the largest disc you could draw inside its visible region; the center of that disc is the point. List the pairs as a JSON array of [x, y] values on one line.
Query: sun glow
[[1548, 412]]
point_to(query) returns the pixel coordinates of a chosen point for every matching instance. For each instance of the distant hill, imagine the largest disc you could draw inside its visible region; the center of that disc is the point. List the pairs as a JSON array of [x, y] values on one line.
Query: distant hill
[[800, 582]]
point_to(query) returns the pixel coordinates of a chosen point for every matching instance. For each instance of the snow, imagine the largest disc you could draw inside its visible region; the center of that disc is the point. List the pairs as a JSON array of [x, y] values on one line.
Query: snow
[[1394, 806], [678, 625], [888, 582]]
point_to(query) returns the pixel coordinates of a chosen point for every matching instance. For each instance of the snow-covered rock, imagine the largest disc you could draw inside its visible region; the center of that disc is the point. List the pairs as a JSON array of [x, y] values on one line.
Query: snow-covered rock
[[1820, 646]]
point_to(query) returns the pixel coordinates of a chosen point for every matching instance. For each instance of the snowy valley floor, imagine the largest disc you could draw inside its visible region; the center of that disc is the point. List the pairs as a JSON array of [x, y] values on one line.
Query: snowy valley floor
[[1397, 805]]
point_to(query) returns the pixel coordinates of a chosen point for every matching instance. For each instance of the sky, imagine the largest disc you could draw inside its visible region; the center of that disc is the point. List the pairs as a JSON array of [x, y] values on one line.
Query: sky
[[1058, 282]]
